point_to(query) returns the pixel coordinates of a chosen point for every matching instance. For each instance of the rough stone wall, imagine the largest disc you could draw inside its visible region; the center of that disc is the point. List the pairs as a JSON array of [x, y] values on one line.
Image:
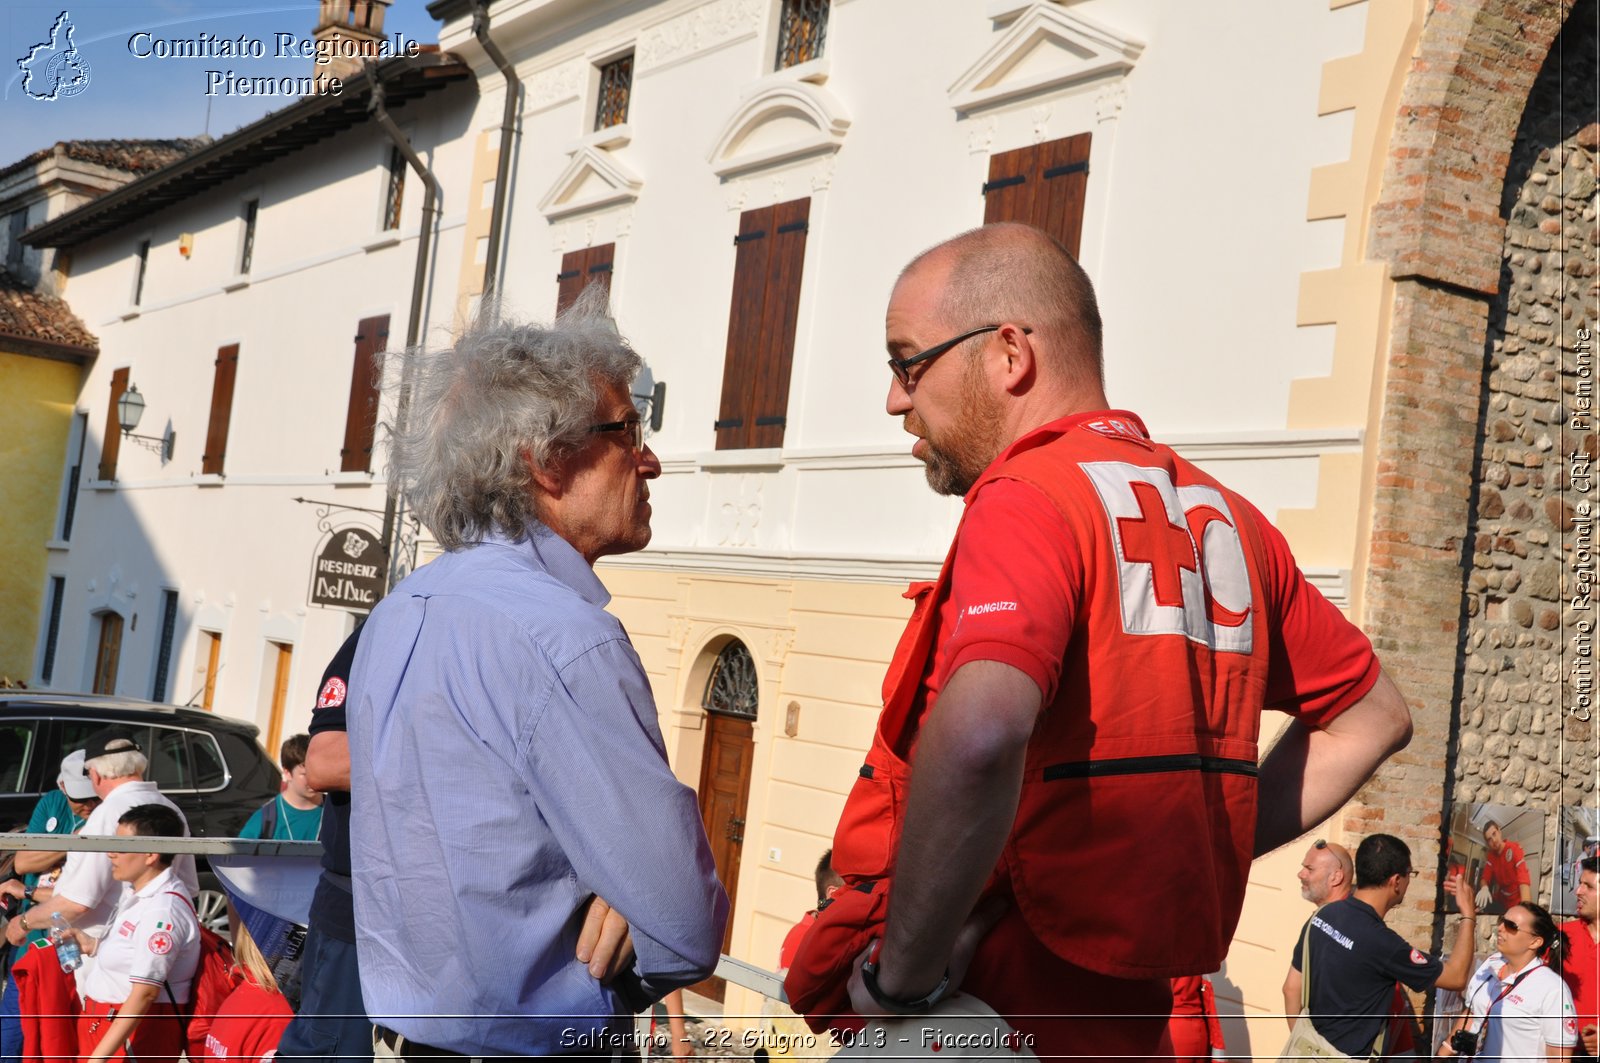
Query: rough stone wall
[[1440, 224], [1519, 744]]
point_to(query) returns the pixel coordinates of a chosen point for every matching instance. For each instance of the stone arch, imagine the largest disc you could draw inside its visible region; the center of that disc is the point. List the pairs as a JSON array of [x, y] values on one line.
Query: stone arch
[[1439, 225]]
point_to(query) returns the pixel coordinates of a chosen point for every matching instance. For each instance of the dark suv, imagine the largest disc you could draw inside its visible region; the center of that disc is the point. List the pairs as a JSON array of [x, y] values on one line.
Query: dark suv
[[210, 766]]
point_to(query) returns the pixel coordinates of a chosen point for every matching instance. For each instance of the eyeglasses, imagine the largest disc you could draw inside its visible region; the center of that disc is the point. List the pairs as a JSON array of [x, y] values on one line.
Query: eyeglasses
[[633, 426], [902, 366], [1510, 927]]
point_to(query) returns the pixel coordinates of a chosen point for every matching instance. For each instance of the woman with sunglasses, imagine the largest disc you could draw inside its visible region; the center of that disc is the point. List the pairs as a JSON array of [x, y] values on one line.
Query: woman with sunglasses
[[1519, 1007]]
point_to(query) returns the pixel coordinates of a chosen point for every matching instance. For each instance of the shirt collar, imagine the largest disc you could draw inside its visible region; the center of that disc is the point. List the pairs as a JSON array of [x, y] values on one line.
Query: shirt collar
[[554, 555], [1504, 975], [156, 885], [1117, 424]]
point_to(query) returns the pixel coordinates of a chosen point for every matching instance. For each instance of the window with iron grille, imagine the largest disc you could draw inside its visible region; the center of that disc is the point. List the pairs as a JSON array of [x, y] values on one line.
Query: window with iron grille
[[616, 83], [802, 32], [249, 249], [169, 624], [58, 591], [138, 277], [397, 188]]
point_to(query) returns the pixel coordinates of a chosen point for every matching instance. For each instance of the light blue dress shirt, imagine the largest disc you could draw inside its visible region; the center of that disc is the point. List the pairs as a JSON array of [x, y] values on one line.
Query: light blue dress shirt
[[505, 764]]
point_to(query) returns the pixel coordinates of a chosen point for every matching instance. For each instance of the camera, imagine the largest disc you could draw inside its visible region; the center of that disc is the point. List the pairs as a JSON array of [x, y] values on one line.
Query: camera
[[1464, 1043]]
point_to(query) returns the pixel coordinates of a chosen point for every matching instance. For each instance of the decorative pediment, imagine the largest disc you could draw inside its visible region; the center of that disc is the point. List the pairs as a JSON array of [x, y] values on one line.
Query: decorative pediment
[[1047, 48], [593, 178], [786, 120]]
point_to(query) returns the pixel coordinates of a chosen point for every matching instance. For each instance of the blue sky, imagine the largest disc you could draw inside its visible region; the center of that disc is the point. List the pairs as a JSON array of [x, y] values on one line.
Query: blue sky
[[126, 96]]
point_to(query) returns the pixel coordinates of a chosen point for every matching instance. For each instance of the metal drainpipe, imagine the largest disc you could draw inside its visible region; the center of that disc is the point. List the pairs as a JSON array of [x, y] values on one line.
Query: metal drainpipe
[[508, 122], [430, 210]]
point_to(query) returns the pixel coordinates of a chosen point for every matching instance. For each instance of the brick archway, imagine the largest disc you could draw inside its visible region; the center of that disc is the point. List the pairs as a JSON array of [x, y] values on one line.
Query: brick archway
[[1438, 223]]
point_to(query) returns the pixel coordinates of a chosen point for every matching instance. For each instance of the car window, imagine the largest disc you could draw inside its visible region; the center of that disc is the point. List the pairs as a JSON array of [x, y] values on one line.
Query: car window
[[72, 734], [16, 747], [209, 770], [171, 766]]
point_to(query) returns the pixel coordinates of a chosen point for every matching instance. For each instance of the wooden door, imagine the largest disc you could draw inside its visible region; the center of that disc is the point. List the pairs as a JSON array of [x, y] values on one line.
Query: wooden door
[[280, 695], [724, 792], [212, 649], [108, 654]]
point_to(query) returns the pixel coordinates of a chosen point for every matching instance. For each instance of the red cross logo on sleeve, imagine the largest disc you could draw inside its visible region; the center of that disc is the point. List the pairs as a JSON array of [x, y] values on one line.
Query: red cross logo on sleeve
[[1152, 539]]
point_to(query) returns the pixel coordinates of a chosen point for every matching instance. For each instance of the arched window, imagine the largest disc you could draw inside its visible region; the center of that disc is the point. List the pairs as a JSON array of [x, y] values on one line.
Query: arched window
[[731, 687]]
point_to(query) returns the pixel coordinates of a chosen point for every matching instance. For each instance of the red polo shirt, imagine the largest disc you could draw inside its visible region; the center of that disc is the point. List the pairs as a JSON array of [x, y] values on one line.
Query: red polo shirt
[[1505, 873], [1581, 968]]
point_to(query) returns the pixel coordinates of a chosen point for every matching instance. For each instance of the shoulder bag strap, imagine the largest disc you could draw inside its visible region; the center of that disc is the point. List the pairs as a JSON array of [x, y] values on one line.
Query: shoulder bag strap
[[1305, 967]]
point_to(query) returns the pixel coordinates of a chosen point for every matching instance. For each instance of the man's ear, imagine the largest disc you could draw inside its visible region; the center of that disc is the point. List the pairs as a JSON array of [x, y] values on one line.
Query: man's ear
[[548, 477], [1018, 360]]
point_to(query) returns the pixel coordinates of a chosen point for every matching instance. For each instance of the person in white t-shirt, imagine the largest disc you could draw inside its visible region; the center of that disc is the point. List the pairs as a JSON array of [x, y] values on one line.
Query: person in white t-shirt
[[86, 891], [1519, 1008], [140, 970]]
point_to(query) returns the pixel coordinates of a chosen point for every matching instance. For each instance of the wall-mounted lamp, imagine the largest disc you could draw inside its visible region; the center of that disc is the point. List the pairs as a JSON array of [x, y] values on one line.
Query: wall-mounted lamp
[[130, 408], [650, 404]]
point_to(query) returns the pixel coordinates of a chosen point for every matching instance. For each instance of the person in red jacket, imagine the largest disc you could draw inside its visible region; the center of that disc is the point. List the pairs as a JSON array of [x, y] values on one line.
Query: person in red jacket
[[1083, 683], [1505, 871], [253, 1018], [1196, 1031], [1581, 964]]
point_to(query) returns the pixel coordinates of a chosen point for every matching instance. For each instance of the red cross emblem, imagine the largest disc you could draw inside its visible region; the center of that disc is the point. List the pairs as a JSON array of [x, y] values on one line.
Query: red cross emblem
[[1152, 539]]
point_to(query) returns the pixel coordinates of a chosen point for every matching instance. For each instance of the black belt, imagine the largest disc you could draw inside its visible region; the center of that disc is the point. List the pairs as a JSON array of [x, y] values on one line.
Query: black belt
[[406, 1048], [1088, 769]]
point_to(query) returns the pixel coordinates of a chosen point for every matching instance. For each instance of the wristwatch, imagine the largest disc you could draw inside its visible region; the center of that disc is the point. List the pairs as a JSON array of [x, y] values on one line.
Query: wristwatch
[[23, 921], [869, 978]]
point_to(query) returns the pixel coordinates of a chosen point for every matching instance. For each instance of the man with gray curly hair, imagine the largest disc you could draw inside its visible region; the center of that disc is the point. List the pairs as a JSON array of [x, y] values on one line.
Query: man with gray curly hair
[[506, 763]]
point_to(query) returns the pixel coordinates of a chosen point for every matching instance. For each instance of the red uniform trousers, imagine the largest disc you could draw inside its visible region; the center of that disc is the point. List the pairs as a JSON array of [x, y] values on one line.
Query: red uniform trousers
[[1111, 1018], [157, 1039]]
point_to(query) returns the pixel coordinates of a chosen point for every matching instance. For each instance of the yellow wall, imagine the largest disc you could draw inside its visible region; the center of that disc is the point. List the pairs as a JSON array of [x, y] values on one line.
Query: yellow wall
[[821, 646], [37, 394]]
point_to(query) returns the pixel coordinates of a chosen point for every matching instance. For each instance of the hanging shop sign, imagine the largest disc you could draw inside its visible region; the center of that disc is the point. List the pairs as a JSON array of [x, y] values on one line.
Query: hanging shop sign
[[350, 570]]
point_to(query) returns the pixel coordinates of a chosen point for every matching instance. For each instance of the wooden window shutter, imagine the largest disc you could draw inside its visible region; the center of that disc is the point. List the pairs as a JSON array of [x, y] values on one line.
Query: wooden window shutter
[[752, 252], [1008, 193], [1043, 185], [221, 409], [111, 444], [361, 417], [780, 315], [579, 269]]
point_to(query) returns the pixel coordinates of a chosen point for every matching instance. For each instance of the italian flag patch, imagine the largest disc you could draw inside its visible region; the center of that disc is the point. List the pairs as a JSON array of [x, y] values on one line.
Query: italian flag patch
[[163, 926]]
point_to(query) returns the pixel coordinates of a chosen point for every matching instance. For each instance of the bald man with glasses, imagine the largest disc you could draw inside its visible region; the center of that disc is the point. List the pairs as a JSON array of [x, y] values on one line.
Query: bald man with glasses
[[1354, 960], [1083, 683]]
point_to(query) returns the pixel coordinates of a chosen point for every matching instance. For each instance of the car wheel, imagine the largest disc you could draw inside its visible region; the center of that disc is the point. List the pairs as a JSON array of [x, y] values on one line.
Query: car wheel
[[211, 905]]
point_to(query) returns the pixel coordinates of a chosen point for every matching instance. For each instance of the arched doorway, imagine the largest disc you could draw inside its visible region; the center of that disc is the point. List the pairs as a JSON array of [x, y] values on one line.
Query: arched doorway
[[730, 701]]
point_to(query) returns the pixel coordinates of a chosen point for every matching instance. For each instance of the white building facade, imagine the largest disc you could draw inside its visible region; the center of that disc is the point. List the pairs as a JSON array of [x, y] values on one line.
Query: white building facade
[[748, 177]]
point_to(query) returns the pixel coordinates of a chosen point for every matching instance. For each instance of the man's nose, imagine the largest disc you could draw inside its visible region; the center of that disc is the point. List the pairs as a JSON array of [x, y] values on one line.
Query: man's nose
[[649, 464], [898, 401]]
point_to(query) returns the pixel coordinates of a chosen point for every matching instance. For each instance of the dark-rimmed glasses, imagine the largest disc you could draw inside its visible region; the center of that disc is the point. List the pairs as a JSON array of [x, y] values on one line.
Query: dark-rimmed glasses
[[634, 426], [901, 367]]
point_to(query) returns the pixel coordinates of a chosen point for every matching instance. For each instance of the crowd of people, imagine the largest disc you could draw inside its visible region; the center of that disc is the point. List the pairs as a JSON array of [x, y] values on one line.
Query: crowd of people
[[108, 949], [1535, 997], [1083, 683]]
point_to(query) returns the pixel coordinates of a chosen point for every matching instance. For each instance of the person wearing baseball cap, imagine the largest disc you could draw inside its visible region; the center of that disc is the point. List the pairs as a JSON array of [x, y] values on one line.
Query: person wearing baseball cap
[[86, 892], [63, 811]]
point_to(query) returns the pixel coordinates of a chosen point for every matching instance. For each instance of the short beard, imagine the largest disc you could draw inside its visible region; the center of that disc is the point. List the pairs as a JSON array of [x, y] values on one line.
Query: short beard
[[955, 465]]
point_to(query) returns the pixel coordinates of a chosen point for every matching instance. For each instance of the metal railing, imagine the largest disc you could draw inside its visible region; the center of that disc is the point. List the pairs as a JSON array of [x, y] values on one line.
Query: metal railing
[[737, 971]]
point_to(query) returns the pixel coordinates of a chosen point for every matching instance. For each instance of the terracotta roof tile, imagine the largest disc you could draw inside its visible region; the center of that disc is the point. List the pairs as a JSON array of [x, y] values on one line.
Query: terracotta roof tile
[[33, 315], [131, 156]]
